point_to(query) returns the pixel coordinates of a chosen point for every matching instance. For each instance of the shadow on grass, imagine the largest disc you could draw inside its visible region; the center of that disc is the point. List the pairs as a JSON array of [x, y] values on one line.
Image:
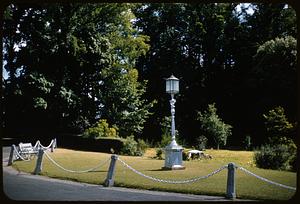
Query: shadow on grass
[[162, 169], [96, 171]]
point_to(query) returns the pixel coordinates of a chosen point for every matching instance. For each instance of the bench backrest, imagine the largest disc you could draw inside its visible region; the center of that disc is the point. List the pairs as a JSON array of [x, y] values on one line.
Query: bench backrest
[[195, 151], [25, 146]]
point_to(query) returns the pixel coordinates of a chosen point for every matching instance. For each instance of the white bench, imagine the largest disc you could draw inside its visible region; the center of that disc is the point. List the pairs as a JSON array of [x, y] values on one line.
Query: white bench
[[27, 150], [198, 154], [194, 152]]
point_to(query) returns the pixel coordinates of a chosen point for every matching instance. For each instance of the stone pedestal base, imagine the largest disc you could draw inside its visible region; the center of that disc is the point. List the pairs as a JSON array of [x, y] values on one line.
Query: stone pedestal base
[[173, 157]]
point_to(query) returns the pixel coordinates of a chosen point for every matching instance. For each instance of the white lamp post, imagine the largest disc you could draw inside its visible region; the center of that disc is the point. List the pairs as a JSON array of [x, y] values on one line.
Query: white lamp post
[[173, 152]]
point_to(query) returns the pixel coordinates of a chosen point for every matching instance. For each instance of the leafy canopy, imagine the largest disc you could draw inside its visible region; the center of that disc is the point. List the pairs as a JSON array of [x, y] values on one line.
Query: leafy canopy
[[76, 64]]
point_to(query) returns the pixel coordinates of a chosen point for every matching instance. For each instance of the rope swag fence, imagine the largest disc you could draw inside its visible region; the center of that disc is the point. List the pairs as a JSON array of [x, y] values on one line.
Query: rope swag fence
[[26, 151], [109, 181], [76, 171], [266, 180], [173, 181]]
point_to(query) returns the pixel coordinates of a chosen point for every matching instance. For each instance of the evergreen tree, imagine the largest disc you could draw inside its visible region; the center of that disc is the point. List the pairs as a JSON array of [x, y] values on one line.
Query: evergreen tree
[[213, 126], [277, 125]]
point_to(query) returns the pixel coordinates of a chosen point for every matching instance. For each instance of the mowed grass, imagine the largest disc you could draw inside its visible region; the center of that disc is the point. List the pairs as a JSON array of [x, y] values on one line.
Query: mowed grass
[[247, 186]]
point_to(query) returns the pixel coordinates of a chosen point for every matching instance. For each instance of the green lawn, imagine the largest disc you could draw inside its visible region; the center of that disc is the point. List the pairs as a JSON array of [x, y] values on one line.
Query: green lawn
[[247, 186]]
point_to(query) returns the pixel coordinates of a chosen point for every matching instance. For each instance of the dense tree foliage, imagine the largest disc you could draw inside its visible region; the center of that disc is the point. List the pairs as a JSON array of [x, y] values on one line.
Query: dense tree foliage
[[280, 150], [214, 49], [274, 72], [70, 65], [74, 64]]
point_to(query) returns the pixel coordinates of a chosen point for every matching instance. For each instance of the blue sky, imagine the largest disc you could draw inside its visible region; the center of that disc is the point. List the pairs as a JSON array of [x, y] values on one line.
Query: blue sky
[[249, 10]]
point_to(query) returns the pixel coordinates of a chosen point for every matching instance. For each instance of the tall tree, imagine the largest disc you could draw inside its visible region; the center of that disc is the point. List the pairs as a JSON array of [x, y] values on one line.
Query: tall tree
[[192, 41], [210, 47], [213, 127], [278, 127], [74, 57], [274, 73]]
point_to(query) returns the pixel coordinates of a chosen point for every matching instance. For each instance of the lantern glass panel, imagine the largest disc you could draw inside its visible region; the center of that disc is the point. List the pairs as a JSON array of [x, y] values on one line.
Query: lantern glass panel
[[168, 86], [176, 86], [172, 85]]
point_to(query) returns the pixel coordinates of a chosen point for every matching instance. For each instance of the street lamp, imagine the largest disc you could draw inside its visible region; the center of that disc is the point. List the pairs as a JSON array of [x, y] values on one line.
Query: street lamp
[[173, 152]]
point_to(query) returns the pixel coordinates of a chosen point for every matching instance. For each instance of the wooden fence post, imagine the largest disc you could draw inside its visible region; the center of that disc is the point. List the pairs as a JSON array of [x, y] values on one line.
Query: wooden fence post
[[109, 181], [39, 162], [230, 192], [11, 155], [52, 145], [55, 143]]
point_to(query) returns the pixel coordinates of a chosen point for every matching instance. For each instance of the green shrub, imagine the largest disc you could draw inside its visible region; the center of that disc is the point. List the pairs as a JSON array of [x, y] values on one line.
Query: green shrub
[[282, 155], [185, 154], [101, 129], [159, 153], [130, 146], [166, 131], [141, 147], [293, 152], [293, 163], [165, 140], [274, 157]]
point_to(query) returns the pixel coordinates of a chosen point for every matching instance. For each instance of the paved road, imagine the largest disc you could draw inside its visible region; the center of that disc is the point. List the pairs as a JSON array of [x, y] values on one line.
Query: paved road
[[24, 186]]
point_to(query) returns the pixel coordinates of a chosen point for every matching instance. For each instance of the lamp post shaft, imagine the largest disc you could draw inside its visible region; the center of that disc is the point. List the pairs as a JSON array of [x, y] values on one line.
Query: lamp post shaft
[[172, 103]]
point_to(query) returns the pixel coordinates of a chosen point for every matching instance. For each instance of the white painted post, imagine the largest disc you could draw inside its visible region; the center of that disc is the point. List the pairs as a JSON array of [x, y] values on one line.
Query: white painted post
[[11, 155], [55, 143], [39, 161], [52, 145], [109, 181], [230, 193]]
